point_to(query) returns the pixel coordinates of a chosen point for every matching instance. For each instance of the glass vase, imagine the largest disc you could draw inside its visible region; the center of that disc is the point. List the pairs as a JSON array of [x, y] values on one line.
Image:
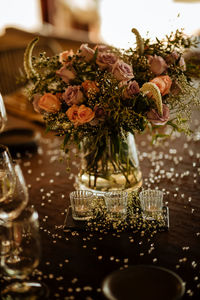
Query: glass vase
[[109, 163]]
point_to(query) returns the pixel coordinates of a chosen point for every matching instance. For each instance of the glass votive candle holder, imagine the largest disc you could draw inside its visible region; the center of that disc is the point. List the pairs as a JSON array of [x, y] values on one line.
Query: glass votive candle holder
[[82, 205], [116, 204], [151, 203]]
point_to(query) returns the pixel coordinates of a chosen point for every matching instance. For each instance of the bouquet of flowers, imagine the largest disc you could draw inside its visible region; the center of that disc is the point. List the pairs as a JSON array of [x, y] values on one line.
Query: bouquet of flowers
[[98, 98]]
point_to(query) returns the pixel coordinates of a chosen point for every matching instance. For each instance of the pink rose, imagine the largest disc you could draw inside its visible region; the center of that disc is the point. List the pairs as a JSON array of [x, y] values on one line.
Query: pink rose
[[164, 83], [73, 95], [106, 60], [157, 64], [64, 56], [156, 119], [122, 71], [176, 57], [66, 72], [131, 89], [86, 52], [49, 103]]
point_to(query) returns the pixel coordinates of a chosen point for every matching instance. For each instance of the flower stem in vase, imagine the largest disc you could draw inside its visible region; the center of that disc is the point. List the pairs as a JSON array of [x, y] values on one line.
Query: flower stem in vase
[[112, 165]]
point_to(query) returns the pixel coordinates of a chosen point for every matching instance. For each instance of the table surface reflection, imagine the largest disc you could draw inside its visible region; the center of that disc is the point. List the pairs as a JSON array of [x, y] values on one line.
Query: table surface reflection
[[74, 263]]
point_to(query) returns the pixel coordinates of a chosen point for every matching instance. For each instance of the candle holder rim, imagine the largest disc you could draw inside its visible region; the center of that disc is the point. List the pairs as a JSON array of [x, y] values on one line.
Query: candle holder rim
[[116, 193], [78, 194], [148, 192]]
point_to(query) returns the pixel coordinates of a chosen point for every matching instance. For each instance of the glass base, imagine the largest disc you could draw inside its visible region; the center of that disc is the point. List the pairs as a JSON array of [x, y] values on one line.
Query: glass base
[[115, 182], [25, 291], [81, 218]]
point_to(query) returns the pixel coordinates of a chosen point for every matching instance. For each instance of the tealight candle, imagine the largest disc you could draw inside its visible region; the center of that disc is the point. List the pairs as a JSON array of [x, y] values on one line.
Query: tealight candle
[[116, 203], [118, 209], [81, 209], [151, 203], [81, 203]]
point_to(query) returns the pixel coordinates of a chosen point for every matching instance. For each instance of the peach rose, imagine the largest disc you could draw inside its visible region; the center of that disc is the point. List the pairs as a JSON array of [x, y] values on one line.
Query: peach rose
[[80, 114], [164, 83], [50, 103], [85, 114], [64, 56], [72, 114], [90, 87]]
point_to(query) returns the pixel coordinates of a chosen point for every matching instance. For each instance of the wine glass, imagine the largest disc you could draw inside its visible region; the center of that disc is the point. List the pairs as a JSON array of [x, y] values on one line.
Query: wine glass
[[3, 115], [15, 202], [7, 174], [23, 257]]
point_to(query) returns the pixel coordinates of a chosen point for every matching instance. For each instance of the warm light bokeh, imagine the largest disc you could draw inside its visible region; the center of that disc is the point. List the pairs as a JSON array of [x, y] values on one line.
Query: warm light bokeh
[[25, 14], [117, 17], [157, 17]]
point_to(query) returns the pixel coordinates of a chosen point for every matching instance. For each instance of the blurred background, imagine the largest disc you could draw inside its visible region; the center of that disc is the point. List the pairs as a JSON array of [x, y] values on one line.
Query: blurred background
[[107, 20], [65, 24]]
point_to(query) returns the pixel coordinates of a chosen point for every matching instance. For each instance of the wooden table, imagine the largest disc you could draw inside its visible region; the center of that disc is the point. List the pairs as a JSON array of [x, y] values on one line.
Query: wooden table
[[74, 263]]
